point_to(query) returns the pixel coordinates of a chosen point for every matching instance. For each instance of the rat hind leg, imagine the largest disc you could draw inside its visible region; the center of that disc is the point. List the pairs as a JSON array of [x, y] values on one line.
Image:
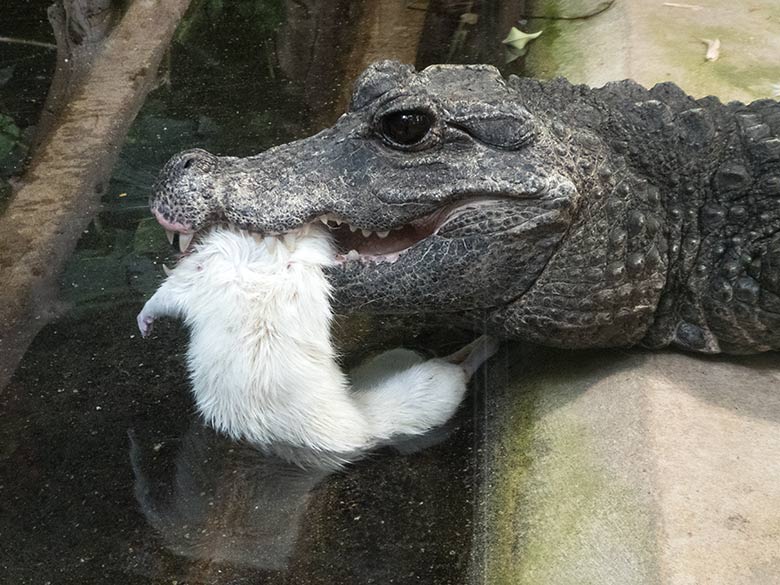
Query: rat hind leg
[[375, 370], [473, 355], [402, 394]]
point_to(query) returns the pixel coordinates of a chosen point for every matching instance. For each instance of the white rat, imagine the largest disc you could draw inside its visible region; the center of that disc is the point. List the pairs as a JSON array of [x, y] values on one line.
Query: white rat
[[262, 363]]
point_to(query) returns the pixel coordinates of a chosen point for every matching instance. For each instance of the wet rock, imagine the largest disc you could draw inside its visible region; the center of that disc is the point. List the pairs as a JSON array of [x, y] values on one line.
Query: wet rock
[[634, 467]]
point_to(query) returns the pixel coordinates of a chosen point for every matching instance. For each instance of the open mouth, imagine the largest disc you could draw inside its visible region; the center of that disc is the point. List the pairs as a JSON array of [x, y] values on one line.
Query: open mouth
[[351, 243], [355, 244]]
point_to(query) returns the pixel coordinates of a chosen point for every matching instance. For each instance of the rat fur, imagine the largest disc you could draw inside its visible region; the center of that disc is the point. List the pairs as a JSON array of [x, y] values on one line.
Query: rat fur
[[262, 362]]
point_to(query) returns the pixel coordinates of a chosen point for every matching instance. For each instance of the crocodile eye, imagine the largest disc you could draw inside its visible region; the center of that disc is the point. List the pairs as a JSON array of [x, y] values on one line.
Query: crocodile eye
[[406, 128]]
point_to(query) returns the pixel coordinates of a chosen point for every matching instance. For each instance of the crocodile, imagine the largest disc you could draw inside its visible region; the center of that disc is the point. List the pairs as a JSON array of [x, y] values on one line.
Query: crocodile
[[556, 213]]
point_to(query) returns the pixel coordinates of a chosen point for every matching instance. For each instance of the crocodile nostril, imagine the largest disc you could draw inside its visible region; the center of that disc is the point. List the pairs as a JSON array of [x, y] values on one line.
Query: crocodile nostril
[[193, 159], [189, 159]]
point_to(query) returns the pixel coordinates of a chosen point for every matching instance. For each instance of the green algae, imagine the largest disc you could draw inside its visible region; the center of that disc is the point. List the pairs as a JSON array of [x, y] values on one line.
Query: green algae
[[732, 75], [556, 512], [514, 453], [546, 50]]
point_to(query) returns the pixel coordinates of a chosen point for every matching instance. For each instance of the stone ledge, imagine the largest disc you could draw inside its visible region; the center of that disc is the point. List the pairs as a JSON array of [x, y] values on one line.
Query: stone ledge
[[615, 467], [618, 468]]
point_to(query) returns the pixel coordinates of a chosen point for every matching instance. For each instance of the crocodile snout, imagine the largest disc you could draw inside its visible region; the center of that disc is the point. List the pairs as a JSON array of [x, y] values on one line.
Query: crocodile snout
[[185, 197]]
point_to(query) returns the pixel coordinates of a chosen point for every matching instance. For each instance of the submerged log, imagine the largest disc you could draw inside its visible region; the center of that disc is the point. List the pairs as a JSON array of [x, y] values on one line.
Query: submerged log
[[90, 107]]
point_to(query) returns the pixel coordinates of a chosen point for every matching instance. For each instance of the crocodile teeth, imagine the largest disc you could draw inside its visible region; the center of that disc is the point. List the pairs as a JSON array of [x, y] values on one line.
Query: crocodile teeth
[[352, 228], [184, 241], [170, 235], [382, 234], [289, 241], [365, 233], [330, 220], [353, 255], [167, 270]]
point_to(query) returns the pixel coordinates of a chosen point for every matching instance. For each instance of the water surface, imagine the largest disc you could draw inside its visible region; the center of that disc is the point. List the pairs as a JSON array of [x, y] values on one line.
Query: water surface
[[106, 473]]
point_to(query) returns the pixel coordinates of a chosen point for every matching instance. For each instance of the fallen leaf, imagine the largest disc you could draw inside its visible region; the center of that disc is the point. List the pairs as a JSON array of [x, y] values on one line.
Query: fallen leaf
[[516, 42], [713, 49], [688, 6], [417, 5], [519, 39], [469, 18]]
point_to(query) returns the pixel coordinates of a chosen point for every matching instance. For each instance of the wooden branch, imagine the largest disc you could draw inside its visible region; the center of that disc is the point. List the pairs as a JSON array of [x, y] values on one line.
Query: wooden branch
[[15, 41], [80, 29], [61, 189]]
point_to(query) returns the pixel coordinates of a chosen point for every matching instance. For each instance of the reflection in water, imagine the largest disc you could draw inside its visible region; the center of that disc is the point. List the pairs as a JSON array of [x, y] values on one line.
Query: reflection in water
[[225, 502], [189, 506]]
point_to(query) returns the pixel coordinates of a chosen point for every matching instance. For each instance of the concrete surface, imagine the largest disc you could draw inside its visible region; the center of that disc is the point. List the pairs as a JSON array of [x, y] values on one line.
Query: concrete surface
[[650, 42], [630, 467]]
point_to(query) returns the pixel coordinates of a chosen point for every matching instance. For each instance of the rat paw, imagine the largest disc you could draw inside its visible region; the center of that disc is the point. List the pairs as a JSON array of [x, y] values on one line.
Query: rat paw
[[145, 322], [472, 356]]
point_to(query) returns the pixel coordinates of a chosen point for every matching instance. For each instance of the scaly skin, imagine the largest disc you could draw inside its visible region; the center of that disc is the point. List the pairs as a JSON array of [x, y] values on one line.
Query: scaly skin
[[564, 215]]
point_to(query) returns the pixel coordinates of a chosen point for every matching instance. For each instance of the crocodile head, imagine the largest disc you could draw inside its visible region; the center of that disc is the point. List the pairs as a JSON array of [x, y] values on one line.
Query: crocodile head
[[443, 190]]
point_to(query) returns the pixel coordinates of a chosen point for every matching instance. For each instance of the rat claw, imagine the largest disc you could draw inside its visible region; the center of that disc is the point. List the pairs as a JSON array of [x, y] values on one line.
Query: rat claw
[[473, 355], [145, 323]]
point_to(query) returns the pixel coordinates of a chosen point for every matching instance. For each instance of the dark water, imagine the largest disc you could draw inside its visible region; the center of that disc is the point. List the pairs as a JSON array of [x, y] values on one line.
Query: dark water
[[108, 477], [106, 474], [25, 74]]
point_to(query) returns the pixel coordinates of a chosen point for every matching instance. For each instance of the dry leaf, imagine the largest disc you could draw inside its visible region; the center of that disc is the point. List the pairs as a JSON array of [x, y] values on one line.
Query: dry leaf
[[417, 4], [713, 49], [688, 6], [516, 42], [519, 39], [469, 18]]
